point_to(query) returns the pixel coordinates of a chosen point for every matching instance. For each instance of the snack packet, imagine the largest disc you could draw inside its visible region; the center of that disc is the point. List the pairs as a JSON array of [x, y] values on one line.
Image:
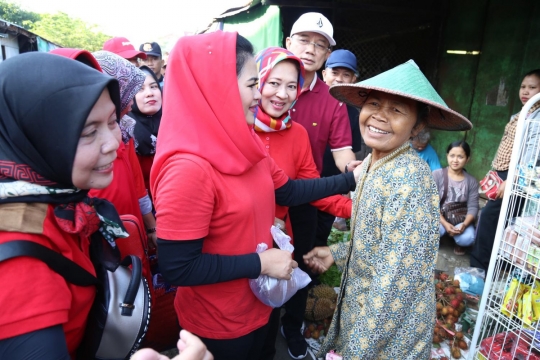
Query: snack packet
[[527, 313], [510, 305], [535, 301]]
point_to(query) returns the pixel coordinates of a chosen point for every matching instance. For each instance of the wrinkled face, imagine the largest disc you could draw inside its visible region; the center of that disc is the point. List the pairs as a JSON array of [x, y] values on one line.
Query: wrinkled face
[[96, 151], [248, 80], [280, 89], [155, 63], [530, 86], [312, 48], [418, 145], [338, 75], [387, 121], [457, 158], [149, 97]]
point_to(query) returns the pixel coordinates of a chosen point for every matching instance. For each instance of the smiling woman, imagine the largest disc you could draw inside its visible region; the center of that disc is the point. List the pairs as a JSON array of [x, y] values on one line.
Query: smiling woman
[[146, 111], [215, 192], [93, 164], [281, 78], [388, 263], [44, 195]]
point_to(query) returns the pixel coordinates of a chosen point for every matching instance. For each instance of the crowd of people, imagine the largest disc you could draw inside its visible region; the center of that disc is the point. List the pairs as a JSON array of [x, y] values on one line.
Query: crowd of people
[[208, 159]]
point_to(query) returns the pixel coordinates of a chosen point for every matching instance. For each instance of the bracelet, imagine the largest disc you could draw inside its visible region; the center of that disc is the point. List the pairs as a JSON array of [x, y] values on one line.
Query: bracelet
[[151, 230]]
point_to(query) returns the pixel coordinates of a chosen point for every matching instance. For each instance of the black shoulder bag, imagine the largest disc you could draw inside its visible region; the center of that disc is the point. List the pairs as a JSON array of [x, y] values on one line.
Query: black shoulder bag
[[120, 313], [454, 212]]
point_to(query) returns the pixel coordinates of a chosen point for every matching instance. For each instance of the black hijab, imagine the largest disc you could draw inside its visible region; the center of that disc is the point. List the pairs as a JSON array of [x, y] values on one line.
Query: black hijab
[[44, 102], [146, 126]]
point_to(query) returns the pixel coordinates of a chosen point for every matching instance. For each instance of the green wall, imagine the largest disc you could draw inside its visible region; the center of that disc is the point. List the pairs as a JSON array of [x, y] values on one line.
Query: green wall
[[485, 87]]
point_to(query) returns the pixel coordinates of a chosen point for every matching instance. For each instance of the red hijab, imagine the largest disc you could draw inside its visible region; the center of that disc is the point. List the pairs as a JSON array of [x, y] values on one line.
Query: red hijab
[[202, 109]]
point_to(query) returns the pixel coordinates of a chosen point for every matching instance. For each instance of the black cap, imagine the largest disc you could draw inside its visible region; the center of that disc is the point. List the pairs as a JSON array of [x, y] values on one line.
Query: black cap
[[152, 48]]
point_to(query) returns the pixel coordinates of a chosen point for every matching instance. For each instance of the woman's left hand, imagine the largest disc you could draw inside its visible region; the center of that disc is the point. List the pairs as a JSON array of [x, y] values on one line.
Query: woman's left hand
[[152, 240], [459, 229]]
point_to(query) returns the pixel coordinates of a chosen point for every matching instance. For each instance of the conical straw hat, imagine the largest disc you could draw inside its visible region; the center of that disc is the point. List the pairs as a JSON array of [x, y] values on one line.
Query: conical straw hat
[[408, 81]]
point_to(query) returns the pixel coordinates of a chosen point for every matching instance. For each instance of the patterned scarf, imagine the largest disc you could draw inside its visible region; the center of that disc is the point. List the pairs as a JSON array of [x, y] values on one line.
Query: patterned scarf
[[63, 92], [129, 77], [266, 61]]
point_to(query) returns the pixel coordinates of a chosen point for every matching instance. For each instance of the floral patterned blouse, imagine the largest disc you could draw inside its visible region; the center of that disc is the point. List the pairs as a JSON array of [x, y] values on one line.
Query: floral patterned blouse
[[386, 305]]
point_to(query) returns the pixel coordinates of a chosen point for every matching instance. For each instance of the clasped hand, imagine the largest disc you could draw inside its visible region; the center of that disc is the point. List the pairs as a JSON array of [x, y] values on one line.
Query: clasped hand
[[277, 263]]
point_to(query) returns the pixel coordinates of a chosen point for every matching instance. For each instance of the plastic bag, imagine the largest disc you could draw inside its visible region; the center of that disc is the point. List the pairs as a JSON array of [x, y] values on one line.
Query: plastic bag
[[471, 279], [275, 292]]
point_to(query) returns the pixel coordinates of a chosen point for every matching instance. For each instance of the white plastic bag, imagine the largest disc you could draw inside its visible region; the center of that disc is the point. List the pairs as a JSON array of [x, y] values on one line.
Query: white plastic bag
[[275, 292]]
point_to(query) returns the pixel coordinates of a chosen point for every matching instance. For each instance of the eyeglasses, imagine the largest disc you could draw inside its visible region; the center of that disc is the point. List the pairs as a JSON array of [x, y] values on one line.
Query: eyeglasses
[[321, 48]]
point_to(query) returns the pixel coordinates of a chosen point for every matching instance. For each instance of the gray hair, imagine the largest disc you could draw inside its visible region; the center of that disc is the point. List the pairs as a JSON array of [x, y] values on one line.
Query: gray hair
[[423, 136]]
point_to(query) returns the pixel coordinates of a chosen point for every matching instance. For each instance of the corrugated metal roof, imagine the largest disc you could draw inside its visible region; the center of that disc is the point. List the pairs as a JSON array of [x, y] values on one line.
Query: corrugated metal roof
[[238, 9], [6, 26]]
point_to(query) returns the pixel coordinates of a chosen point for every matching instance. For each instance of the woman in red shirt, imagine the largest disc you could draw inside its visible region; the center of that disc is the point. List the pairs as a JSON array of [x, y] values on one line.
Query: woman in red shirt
[[215, 190], [280, 83], [56, 142]]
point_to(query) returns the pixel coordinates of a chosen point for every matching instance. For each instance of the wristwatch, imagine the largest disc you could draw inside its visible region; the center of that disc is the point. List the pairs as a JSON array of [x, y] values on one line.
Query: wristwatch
[[151, 230]]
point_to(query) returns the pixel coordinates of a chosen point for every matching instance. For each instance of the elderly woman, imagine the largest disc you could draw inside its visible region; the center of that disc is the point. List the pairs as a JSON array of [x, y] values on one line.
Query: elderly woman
[[386, 303], [47, 202]]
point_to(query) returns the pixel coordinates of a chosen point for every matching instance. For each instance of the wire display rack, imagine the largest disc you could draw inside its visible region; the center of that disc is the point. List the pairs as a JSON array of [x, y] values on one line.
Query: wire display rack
[[508, 323]]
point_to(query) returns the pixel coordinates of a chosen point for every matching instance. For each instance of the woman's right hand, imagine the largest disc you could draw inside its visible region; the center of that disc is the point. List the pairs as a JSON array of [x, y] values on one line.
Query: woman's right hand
[[356, 169], [277, 263], [449, 228]]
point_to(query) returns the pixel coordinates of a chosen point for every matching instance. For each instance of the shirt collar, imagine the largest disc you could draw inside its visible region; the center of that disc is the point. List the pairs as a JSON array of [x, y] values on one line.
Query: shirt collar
[[312, 85]]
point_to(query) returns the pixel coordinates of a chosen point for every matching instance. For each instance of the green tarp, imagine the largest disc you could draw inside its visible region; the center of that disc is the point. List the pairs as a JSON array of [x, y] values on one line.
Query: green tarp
[[261, 25]]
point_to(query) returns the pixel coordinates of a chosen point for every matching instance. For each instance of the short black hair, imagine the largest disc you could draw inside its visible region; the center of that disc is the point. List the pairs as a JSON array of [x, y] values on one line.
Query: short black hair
[[244, 50], [422, 113], [535, 72], [462, 144]]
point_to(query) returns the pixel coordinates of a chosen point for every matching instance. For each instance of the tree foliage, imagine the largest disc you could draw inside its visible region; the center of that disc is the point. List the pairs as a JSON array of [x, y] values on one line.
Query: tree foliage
[[59, 28], [14, 14], [69, 32]]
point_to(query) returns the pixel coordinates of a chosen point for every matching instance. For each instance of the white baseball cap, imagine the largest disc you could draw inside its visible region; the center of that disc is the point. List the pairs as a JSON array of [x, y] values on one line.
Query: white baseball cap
[[314, 22]]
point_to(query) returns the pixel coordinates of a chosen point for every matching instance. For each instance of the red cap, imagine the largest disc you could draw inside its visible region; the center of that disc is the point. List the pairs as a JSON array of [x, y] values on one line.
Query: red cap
[[123, 47], [79, 55]]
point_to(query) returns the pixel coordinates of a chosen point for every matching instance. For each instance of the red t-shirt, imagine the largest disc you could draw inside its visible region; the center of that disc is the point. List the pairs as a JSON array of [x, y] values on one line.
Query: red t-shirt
[[146, 162], [233, 214], [325, 119], [291, 151], [34, 297]]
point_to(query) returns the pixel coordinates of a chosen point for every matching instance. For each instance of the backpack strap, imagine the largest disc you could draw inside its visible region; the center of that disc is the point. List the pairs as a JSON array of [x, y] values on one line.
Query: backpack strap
[[445, 185], [71, 271]]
